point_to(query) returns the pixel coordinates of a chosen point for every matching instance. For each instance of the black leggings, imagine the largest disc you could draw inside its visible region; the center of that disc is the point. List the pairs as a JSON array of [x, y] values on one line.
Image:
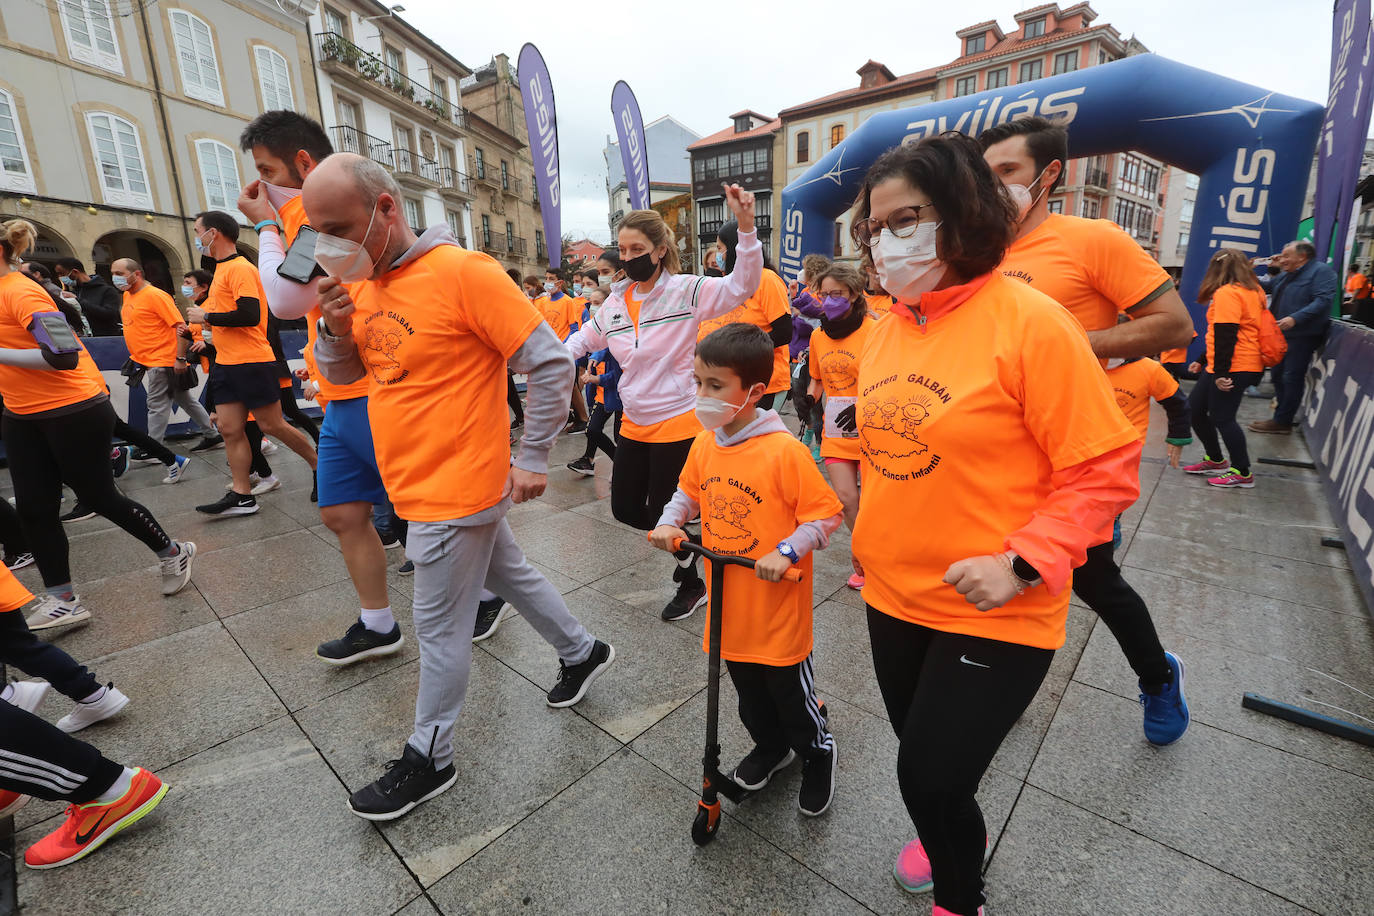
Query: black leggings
[[645, 479], [292, 411], [73, 449], [61, 768], [144, 441], [259, 464], [951, 700], [809, 410], [513, 400], [1214, 411], [20, 648], [597, 438], [11, 531], [1100, 584]]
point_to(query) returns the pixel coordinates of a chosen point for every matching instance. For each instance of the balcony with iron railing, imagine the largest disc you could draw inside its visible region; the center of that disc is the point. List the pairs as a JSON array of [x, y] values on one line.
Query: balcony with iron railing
[[414, 169], [764, 222], [711, 228], [450, 179], [351, 140], [512, 186], [483, 172], [1097, 178], [338, 53], [520, 247]]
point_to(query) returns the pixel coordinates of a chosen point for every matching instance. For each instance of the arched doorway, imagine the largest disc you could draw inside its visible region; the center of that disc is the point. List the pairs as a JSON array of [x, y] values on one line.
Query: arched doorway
[[160, 264], [51, 244]]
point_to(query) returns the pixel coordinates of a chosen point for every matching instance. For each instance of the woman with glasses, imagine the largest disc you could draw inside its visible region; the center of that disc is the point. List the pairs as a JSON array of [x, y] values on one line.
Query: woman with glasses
[[994, 455]]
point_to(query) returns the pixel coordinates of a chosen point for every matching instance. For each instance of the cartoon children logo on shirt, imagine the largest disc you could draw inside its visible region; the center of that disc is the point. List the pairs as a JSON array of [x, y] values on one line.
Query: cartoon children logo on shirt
[[891, 415], [726, 505], [890, 426], [385, 333], [838, 370]]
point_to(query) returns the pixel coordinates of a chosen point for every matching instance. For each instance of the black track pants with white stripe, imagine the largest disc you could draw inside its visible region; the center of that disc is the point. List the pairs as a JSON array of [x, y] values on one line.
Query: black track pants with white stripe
[[778, 705], [39, 760]]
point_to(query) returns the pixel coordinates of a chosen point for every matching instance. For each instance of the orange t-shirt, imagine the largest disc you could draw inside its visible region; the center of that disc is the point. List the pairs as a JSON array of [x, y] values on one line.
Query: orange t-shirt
[[769, 303], [293, 217], [961, 425], [316, 377], [235, 279], [752, 496], [878, 305], [1135, 384], [435, 333], [1240, 305], [150, 319], [599, 368], [559, 315], [1179, 355], [835, 364], [680, 428], [35, 390], [1357, 285], [13, 594], [1089, 266]]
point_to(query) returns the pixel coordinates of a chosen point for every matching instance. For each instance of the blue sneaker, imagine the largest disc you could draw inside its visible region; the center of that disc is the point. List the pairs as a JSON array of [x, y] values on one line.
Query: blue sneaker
[[1166, 715], [176, 469]]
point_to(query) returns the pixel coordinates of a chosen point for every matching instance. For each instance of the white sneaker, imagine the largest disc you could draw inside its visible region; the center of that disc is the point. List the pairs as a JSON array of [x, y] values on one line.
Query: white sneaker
[[111, 702], [52, 612], [268, 446], [28, 694], [265, 485], [176, 570], [253, 479], [177, 469]]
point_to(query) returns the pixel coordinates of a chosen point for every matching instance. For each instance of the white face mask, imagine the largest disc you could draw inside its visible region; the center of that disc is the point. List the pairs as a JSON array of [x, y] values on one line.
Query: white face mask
[[713, 413], [1021, 195], [277, 196], [201, 247], [908, 267], [345, 259], [1115, 363]]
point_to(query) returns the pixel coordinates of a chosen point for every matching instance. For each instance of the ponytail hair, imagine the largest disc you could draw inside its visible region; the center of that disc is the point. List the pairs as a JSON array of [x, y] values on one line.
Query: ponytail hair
[[651, 223], [17, 237]]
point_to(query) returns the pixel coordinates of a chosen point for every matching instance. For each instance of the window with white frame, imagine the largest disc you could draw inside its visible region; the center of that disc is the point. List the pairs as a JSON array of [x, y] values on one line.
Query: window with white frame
[[219, 175], [90, 33], [1185, 213], [455, 224], [16, 174], [119, 157], [196, 55], [997, 78], [966, 85], [413, 214], [275, 79]]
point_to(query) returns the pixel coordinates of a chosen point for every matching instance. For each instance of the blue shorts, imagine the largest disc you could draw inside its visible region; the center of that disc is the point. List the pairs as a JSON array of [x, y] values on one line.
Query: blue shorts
[[347, 469]]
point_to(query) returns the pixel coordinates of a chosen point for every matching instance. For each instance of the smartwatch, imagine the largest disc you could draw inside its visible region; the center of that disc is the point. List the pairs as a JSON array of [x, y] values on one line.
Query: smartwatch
[[788, 551], [1024, 571]]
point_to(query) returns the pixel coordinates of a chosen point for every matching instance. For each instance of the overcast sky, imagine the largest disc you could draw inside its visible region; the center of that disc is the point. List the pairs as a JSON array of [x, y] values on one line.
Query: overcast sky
[[702, 63]]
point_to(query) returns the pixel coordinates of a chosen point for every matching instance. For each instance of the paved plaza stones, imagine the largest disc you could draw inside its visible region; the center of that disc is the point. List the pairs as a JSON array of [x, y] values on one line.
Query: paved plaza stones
[[588, 810]]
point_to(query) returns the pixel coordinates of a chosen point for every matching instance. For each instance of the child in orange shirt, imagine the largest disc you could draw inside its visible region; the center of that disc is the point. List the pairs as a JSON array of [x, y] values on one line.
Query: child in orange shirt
[[756, 486]]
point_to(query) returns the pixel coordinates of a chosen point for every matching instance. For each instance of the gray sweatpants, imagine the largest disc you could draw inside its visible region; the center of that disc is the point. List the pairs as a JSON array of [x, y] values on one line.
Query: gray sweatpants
[[452, 563], [162, 390]]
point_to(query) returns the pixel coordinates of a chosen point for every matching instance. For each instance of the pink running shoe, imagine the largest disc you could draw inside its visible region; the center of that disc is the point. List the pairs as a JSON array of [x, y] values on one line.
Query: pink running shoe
[[1206, 466], [855, 581], [912, 870], [1234, 479], [941, 911]]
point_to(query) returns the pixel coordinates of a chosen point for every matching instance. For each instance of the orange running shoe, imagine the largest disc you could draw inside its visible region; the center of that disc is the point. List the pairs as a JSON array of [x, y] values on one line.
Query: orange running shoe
[[88, 826], [11, 802]]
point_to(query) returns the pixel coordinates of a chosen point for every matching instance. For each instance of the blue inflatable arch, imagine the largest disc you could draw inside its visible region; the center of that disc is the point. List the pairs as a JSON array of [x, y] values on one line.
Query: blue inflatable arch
[[1251, 149]]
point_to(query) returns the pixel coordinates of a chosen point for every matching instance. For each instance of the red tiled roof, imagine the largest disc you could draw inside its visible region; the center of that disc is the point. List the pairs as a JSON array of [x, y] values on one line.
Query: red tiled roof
[[1035, 9], [728, 134], [1011, 45], [902, 82]]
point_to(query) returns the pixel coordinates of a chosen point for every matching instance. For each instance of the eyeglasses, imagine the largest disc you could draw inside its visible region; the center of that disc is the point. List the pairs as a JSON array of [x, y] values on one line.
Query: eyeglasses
[[902, 222]]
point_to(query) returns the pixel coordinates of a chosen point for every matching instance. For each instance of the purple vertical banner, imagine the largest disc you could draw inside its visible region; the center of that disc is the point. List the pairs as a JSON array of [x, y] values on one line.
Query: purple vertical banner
[[634, 153], [1341, 146], [536, 90]]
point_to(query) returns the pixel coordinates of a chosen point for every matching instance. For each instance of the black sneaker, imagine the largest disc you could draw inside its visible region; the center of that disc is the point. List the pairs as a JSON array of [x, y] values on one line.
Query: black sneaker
[[406, 783], [79, 513], [230, 503], [573, 680], [389, 537], [759, 765], [576, 427], [817, 783], [142, 456], [407, 568], [208, 442], [583, 466], [15, 561], [314, 487], [360, 643], [689, 597], [119, 460], [490, 613]]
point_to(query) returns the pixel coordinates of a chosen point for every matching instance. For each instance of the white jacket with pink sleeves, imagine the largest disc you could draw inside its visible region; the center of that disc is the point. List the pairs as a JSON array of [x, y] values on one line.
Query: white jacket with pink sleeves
[[656, 357]]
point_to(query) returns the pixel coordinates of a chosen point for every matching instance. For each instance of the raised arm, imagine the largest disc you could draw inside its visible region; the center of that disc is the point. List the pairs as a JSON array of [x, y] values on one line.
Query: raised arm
[[718, 295]]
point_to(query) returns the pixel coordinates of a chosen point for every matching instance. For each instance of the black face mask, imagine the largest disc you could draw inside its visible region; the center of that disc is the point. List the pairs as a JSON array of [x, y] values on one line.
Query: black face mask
[[639, 269]]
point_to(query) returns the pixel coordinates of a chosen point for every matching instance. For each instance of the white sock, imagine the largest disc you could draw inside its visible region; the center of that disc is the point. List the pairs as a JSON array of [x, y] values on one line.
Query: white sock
[[8, 693], [95, 697], [117, 791], [487, 595], [378, 620]]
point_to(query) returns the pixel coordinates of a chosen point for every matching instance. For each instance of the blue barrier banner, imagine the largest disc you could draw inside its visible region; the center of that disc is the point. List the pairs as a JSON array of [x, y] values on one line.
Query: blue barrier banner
[[1344, 127], [1339, 423], [110, 354], [536, 91], [1251, 148]]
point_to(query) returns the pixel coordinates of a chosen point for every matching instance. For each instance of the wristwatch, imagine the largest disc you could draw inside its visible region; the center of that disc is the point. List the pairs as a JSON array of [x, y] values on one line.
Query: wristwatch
[[788, 551], [1024, 571]]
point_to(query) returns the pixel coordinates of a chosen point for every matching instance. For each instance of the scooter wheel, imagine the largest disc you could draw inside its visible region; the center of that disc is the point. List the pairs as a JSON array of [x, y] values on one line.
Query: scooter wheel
[[704, 826]]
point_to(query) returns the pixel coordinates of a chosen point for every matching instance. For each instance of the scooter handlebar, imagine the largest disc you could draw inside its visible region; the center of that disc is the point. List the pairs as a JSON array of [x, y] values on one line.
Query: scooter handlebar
[[790, 575]]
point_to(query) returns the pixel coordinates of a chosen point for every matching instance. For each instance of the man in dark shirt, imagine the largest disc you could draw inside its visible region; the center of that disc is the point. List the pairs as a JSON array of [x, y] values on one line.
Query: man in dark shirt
[[100, 301], [1300, 299]]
